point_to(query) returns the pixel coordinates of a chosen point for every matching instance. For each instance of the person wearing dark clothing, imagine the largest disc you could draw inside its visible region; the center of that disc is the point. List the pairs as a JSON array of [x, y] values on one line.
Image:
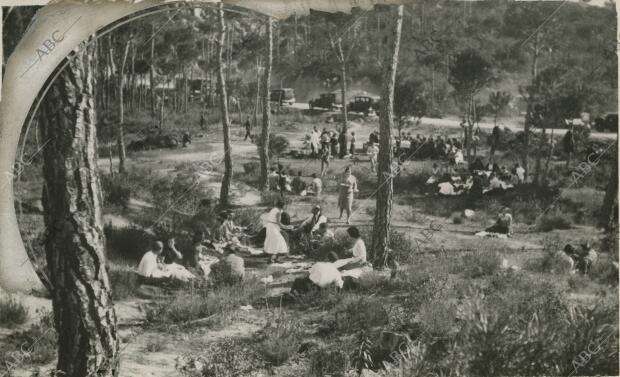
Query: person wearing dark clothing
[[248, 131], [203, 122], [476, 165], [187, 139], [298, 184], [171, 254], [568, 143], [342, 140], [495, 138], [476, 189], [334, 145]]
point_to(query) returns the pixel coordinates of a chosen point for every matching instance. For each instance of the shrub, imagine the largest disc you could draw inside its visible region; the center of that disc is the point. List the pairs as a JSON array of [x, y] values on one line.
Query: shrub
[[116, 190], [12, 312], [223, 275], [251, 167], [226, 358], [281, 341], [547, 223], [479, 264], [37, 345], [457, 219], [328, 361], [155, 345], [357, 313], [124, 281], [127, 243]]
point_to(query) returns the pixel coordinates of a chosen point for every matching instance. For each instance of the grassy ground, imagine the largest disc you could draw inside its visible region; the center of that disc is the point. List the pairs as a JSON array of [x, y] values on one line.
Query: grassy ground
[[458, 305]]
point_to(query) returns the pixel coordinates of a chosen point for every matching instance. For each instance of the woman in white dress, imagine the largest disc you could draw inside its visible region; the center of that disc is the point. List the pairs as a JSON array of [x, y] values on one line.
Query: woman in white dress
[[348, 186], [275, 244]]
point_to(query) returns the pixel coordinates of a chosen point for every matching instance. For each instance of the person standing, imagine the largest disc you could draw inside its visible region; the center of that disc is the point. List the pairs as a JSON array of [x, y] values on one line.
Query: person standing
[[342, 140], [314, 141], [203, 121], [372, 151], [275, 244], [495, 139], [348, 186], [324, 161], [569, 145], [352, 149], [248, 131]]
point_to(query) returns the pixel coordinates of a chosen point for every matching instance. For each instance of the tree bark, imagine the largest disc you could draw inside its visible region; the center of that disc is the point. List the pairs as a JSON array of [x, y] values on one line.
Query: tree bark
[[385, 175], [343, 85], [120, 137], [152, 73], [226, 180], [84, 315], [610, 201], [263, 146]]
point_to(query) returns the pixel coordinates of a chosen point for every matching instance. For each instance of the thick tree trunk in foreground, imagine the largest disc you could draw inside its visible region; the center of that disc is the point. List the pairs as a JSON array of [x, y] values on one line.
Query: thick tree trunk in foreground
[[263, 146], [84, 316], [226, 180], [381, 231], [343, 85], [608, 210]]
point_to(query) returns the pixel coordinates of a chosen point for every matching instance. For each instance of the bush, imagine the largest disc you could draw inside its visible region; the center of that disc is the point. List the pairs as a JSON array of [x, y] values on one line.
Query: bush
[[223, 275], [357, 313], [547, 223], [12, 312], [226, 358], [37, 345], [127, 243], [251, 167], [328, 362], [281, 341], [479, 264], [116, 190], [124, 281]]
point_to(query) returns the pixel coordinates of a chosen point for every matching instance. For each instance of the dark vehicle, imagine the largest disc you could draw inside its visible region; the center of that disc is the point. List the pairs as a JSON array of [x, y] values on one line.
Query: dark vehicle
[[608, 122], [364, 104], [283, 96], [325, 101], [154, 141]]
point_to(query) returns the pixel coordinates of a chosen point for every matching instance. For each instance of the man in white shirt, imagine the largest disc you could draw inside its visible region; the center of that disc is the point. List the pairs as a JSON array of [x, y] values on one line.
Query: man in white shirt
[[312, 223], [314, 141], [149, 265]]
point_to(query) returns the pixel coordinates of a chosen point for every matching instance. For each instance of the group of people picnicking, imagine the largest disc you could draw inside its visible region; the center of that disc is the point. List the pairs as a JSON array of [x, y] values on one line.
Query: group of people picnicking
[[217, 239]]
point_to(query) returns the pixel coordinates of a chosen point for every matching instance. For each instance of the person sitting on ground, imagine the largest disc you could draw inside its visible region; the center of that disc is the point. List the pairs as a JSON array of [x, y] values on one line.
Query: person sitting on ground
[[358, 250], [312, 223], [204, 220], [445, 186], [298, 185], [569, 255], [435, 173], [477, 165], [228, 231], [495, 183], [149, 266], [187, 139], [503, 223], [323, 233], [171, 254], [316, 186], [586, 257]]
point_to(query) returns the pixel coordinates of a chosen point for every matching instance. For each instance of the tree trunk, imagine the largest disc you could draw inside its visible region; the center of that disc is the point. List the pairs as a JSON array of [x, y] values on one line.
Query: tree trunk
[[120, 137], [226, 180], [258, 93], [84, 315], [381, 232], [152, 73], [263, 146], [343, 85], [610, 201]]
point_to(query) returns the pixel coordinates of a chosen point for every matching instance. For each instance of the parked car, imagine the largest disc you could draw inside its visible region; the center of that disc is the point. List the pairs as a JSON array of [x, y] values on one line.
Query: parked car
[[607, 122], [325, 101], [283, 96], [154, 141], [364, 104]]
